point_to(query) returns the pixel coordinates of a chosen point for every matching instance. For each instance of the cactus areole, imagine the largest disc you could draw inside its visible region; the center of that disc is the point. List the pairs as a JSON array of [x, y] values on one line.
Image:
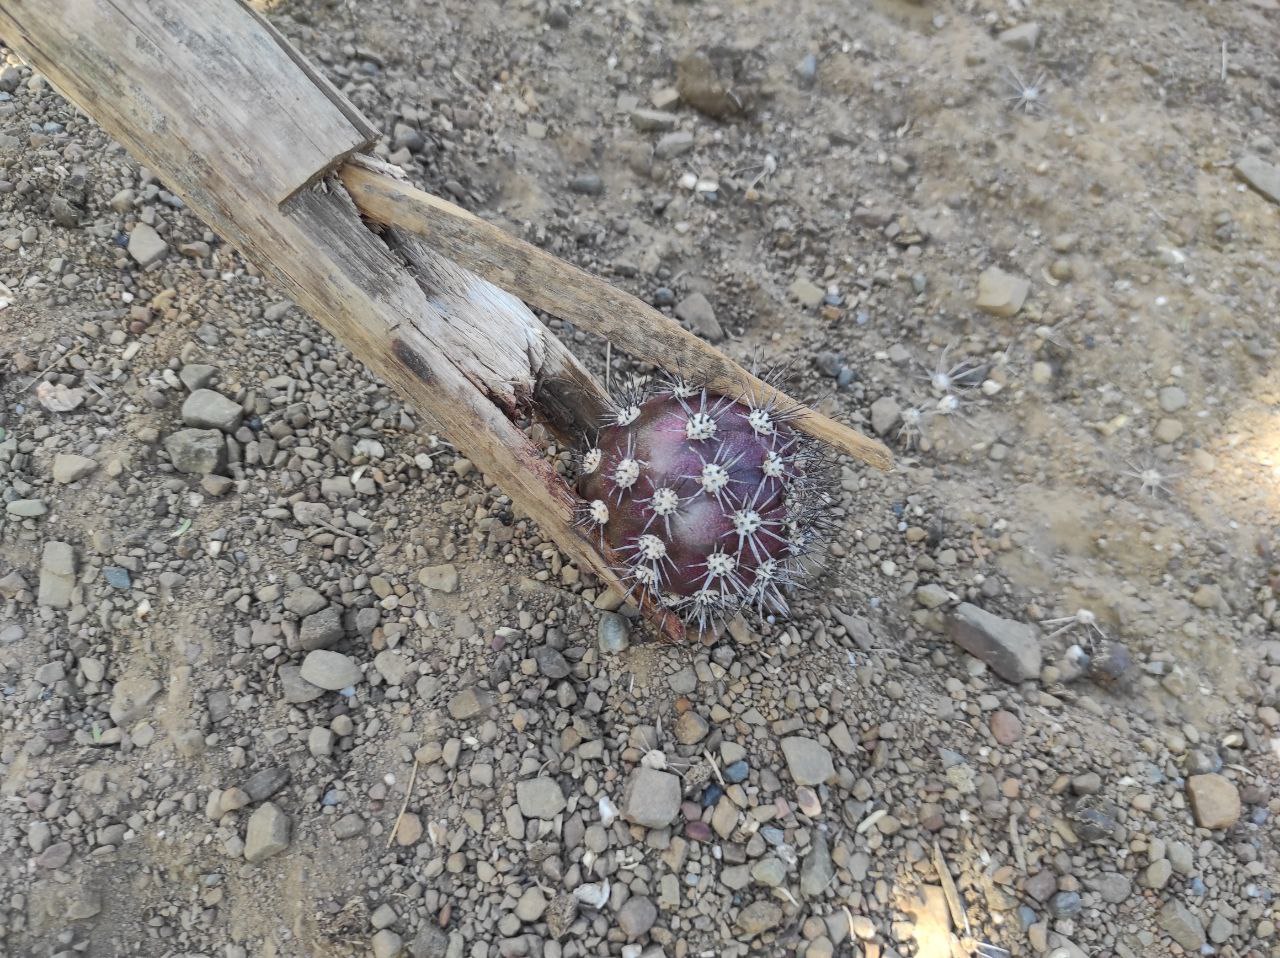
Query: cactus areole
[[709, 504]]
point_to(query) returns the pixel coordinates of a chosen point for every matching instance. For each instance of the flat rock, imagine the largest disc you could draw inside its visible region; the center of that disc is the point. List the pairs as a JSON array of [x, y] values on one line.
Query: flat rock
[[637, 916], [440, 578], [321, 630], [57, 575], [696, 311], [469, 703], [267, 834], [808, 761], [551, 662], [806, 292], [653, 120], [330, 670], [209, 409], [816, 871], [145, 245], [197, 376], [1214, 800], [1261, 175], [1001, 293], [393, 666], [297, 690], [540, 798], [68, 467], [1011, 649], [263, 784], [759, 917], [1177, 921], [196, 452], [304, 601], [885, 413], [651, 798], [1022, 37], [673, 144]]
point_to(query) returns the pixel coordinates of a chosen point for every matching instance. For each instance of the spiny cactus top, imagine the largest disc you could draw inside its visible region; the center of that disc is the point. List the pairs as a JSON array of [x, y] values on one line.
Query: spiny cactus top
[[708, 502]]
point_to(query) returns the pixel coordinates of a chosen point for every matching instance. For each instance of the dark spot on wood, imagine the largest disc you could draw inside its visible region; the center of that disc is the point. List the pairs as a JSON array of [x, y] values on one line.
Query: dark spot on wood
[[412, 360]]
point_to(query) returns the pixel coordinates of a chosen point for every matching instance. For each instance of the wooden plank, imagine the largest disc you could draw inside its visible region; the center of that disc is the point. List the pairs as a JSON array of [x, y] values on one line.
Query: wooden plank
[[196, 88], [158, 76], [563, 290]]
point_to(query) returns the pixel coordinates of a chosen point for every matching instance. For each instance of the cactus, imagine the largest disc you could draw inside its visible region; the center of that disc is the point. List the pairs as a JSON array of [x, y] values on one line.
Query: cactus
[[711, 505]]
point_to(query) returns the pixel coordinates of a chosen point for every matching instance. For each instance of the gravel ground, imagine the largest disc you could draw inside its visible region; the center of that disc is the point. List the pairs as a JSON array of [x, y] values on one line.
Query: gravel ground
[[282, 675]]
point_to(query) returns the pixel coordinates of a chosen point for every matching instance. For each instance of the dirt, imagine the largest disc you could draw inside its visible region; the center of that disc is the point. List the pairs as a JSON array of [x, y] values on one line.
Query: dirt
[[894, 175]]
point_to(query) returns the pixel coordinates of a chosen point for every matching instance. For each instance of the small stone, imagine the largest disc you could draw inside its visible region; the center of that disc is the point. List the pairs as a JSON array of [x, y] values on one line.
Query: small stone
[[816, 871], [1087, 783], [320, 742], [1168, 430], [26, 508], [653, 120], [1176, 920], [1214, 800], [392, 666], [1172, 398], [408, 830], [387, 944], [297, 691], [1158, 874], [268, 833], [695, 310], [384, 916], [808, 293], [440, 578], [145, 245], [196, 451], [808, 761], [651, 798], [209, 409], [1261, 175], [673, 144], [540, 798], [1022, 37], [321, 630], [69, 468], [197, 376], [613, 633], [637, 916], [691, 728], [759, 917], [304, 601], [531, 905], [885, 413], [1114, 888], [587, 184], [57, 575], [330, 670], [1011, 649], [469, 703], [551, 662], [265, 783], [769, 871], [1065, 904], [932, 596], [1006, 727], [1000, 293]]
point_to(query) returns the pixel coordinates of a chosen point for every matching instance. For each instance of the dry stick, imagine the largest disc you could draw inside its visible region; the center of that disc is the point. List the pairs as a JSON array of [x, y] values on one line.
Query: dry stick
[[563, 290], [405, 804]]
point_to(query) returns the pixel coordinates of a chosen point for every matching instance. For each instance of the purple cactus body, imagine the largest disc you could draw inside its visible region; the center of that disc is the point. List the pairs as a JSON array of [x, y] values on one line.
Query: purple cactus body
[[705, 500]]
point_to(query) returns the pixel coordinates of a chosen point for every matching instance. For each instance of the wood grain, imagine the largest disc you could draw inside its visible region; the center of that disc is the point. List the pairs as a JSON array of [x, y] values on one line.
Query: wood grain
[[211, 101], [563, 290]]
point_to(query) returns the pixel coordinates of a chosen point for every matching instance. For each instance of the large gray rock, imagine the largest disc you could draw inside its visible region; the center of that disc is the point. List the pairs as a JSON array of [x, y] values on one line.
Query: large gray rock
[[209, 409], [268, 833], [297, 690], [1214, 800], [696, 311], [1177, 921], [145, 245], [330, 670], [1011, 649], [808, 761], [321, 630], [197, 452], [540, 798], [68, 467], [1261, 175], [651, 798], [637, 916], [57, 575]]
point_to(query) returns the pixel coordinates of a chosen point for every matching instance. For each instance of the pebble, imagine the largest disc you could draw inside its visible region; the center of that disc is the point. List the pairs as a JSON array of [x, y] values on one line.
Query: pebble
[[651, 798], [816, 871], [551, 662], [297, 690], [1011, 649], [1000, 293], [1176, 920], [540, 798], [587, 184], [330, 670], [696, 311], [691, 728], [1006, 727], [1172, 398], [808, 761], [637, 916], [1022, 37], [885, 414], [196, 451], [267, 834], [1214, 800], [613, 633], [673, 144], [57, 575], [387, 944], [146, 245], [1260, 174], [531, 906], [758, 917], [440, 578], [68, 468], [470, 703], [208, 409]]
